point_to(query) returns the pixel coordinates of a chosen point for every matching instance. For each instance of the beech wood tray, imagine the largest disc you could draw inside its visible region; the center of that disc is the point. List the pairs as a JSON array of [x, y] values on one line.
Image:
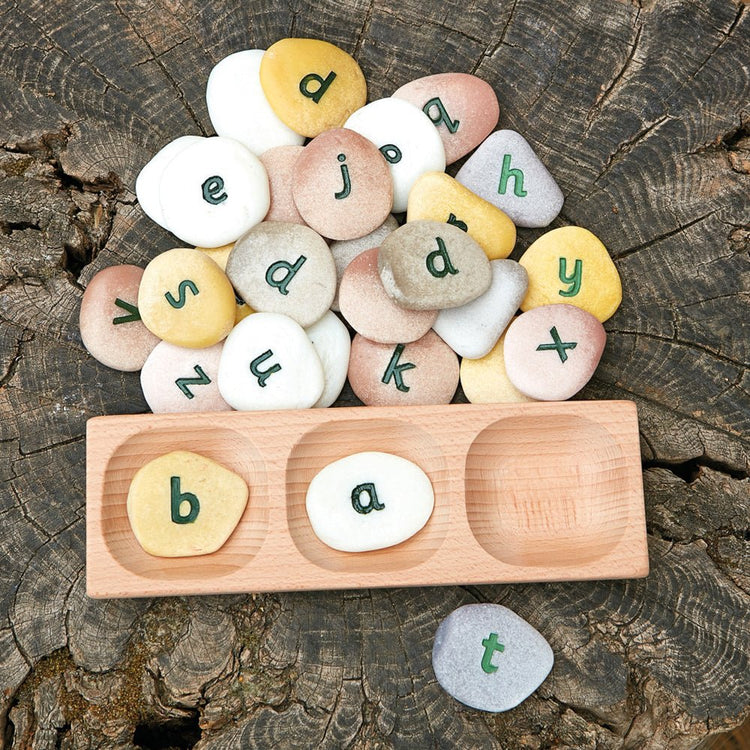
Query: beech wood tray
[[523, 492]]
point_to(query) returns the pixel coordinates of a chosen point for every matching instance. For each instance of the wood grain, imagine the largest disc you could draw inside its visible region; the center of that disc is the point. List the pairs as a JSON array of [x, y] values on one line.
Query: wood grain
[[531, 492], [639, 110]]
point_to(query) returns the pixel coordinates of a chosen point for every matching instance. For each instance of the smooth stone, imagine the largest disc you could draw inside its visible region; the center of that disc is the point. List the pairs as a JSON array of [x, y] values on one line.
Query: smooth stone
[[436, 196], [406, 137], [463, 108], [428, 265], [279, 163], [505, 171], [572, 342], [571, 265], [474, 328], [485, 381], [148, 182], [238, 108], [110, 322], [268, 362], [489, 658], [368, 501], [284, 268], [345, 251], [183, 504], [176, 379], [330, 339], [421, 372], [311, 85], [213, 191], [186, 299], [369, 310], [342, 185]]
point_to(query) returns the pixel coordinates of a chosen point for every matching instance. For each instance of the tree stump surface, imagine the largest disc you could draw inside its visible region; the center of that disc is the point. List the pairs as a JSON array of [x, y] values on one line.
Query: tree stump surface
[[639, 110]]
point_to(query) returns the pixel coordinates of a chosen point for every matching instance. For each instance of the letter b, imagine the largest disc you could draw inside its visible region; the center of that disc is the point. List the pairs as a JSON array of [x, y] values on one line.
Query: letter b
[[180, 497]]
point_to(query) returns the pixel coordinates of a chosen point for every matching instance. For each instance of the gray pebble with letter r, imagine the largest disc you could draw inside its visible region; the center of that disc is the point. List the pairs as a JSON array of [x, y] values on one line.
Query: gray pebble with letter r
[[489, 658]]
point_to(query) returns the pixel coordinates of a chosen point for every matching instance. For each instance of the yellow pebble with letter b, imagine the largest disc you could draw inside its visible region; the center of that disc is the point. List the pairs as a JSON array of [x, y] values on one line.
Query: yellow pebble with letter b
[[311, 85], [186, 299], [182, 504], [438, 197], [570, 265]]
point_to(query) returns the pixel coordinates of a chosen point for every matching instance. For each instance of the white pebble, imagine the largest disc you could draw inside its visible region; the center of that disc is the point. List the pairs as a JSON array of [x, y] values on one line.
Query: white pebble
[[330, 338]]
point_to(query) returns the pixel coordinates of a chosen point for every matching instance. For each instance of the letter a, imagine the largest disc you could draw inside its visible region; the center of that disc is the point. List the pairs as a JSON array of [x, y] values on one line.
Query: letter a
[[323, 84], [291, 270], [178, 498]]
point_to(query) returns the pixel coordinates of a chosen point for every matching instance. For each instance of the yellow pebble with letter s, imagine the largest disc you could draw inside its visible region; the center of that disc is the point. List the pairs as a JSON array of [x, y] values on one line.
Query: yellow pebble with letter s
[[186, 299], [571, 265], [183, 504], [311, 85]]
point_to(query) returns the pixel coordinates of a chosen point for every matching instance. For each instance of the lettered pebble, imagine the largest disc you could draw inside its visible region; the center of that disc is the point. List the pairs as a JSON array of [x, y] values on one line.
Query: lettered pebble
[[489, 658], [279, 163], [330, 339], [342, 185], [186, 299], [551, 352], [407, 139], [369, 501], [284, 268], [427, 265], [176, 379], [370, 311], [183, 504], [422, 372], [238, 108], [438, 197], [474, 328], [312, 85], [570, 264], [110, 322], [213, 191], [345, 251], [268, 362], [148, 182], [485, 381], [463, 108], [505, 171]]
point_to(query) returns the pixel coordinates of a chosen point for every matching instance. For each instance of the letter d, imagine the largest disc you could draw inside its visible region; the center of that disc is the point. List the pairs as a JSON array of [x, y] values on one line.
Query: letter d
[[323, 84]]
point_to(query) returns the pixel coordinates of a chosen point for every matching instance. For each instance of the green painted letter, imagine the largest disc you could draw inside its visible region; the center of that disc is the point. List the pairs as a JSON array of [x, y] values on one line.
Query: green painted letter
[[323, 84], [574, 280], [506, 174], [394, 369], [372, 504], [441, 252], [263, 375], [290, 269], [490, 646], [183, 497], [441, 115]]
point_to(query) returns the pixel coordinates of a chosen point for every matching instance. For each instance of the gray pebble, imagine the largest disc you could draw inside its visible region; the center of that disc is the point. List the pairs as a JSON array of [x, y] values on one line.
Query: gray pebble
[[489, 658], [505, 171]]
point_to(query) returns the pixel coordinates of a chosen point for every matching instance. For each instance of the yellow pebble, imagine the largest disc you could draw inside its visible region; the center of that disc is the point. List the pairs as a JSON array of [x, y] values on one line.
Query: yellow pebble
[[186, 299], [484, 381], [182, 504], [311, 85], [437, 196], [570, 265], [218, 255]]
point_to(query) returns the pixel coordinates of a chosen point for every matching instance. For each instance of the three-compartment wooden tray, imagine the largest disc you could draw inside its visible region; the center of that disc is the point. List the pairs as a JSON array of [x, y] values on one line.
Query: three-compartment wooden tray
[[523, 492]]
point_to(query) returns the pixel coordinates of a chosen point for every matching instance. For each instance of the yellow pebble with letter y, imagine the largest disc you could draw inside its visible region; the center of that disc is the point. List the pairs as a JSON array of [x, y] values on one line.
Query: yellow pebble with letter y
[[182, 504], [311, 85], [186, 299], [570, 265]]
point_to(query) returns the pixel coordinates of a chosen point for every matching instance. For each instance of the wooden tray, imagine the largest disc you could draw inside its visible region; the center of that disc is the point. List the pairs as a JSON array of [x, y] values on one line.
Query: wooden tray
[[523, 492]]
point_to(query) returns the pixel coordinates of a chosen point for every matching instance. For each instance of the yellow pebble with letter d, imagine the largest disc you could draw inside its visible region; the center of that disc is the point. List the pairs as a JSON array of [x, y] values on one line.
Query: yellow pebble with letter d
[[186, 299], [311, 85], [438, 197], [182, 504], [570, 265]]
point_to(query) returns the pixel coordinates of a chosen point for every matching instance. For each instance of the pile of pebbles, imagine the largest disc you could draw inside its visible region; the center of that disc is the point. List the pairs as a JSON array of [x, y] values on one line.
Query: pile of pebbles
[[288, 243], [283, 235]]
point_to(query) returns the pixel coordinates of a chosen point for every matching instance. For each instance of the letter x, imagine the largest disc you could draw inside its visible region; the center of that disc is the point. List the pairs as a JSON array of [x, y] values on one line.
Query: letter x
[[557, 344]]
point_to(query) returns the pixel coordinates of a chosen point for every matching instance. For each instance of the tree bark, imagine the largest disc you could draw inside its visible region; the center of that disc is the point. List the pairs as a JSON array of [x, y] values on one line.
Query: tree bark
[[639, 110]]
